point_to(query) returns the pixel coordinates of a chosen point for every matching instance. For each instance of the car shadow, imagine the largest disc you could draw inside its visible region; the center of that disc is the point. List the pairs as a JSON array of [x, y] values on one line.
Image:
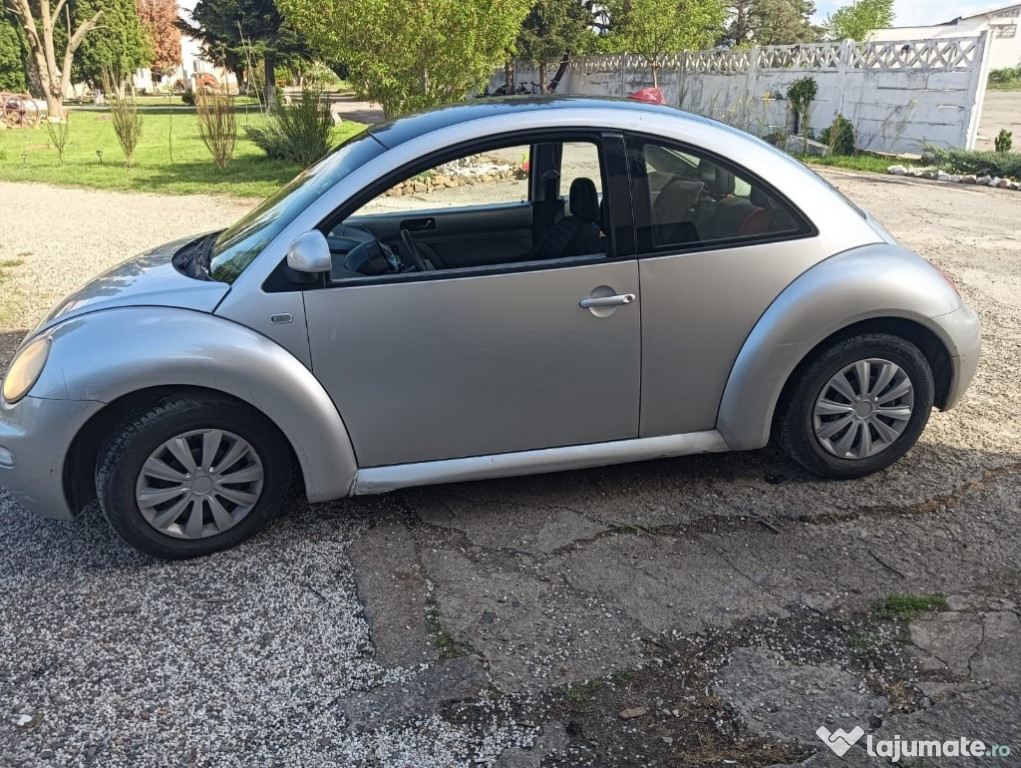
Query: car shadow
[[693, 491]]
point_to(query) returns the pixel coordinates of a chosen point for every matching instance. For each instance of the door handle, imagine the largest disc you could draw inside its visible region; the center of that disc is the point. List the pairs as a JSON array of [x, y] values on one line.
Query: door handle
[[606, 301], [418, 225]]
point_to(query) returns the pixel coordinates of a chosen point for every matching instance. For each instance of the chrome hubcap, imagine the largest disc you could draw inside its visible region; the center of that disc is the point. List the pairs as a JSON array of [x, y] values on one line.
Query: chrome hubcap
[[199, 484], [863, 409]]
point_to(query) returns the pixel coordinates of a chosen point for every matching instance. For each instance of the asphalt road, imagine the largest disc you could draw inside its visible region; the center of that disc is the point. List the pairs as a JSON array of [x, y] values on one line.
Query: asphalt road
[[728, 597]]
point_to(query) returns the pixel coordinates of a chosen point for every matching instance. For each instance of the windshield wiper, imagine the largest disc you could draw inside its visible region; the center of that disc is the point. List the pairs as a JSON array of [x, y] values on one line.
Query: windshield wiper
[[193, 259]]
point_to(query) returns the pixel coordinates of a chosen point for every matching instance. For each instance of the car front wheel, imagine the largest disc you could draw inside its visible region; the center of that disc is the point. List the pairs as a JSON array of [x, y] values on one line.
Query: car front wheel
[[858, 407], [192, 475]]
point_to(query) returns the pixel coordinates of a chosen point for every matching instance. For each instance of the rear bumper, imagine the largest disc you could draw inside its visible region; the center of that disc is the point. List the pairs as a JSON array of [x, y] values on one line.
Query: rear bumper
[[963, 329], [35, 435]]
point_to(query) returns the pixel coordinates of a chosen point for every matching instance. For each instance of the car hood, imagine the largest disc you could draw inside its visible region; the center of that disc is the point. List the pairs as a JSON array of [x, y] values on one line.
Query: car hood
[[146, 280]]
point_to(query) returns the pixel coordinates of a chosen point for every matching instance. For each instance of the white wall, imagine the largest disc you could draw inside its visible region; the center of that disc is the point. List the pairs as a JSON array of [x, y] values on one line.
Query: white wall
[[900, 95], [1004, 26]]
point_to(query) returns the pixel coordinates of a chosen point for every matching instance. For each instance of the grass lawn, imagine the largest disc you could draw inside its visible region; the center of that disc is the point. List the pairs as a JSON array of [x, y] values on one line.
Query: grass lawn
[[866, 163], [1009, 85], [192, 171]]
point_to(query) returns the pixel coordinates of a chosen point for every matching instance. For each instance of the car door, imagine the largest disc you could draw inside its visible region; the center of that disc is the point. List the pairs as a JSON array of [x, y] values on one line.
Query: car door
[[716, 246], [492, 357]]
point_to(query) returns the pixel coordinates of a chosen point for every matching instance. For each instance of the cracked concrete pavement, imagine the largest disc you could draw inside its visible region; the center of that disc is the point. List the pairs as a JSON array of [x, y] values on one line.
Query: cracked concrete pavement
[[519, 590]]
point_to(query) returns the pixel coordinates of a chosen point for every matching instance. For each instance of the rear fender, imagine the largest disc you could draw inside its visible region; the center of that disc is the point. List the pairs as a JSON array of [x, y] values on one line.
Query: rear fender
[[874, 281]]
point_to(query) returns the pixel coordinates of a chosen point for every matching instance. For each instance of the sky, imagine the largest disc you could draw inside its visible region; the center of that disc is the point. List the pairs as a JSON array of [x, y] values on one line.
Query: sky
[[910, 13]]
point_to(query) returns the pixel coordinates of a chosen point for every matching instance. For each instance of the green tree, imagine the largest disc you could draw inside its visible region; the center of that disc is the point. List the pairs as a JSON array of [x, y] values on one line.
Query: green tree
[[858, 20], [770, 22], [655, 27], [13, 54], [50, 31], [122, 45], [553, 31], [410, 54], [226, 27]]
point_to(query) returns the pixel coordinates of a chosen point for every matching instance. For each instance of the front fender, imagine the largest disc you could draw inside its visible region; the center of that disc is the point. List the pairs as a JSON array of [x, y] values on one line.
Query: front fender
[[108, 354], [874, 281]]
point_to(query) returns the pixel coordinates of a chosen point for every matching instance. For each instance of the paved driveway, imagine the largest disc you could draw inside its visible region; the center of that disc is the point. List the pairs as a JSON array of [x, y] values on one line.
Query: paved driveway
[[704, 610], [1001, 109]]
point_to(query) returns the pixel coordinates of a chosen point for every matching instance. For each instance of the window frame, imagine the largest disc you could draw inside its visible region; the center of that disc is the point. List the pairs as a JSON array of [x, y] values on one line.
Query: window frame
[[642, 201], [614, 170]]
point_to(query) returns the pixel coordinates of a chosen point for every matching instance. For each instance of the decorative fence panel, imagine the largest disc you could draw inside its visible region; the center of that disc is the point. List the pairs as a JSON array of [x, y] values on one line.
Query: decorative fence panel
[[900, 95]]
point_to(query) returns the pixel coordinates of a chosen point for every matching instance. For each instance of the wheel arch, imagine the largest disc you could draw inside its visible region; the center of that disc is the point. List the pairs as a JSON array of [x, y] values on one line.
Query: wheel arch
[[129, 357], [875, 289], [82, 457]]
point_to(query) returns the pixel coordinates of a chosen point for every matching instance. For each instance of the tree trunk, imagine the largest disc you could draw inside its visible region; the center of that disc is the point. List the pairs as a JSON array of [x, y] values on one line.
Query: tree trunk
[[34, 78], [269, 88], [542, 77], [561, 71], [655, 75], [508, 77]]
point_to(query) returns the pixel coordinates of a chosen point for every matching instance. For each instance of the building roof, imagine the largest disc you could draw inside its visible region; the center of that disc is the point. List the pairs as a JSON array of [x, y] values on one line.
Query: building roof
[[992, 10]]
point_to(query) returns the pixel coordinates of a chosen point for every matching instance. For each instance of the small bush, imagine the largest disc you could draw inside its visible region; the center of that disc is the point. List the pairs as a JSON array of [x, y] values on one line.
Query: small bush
[[217, 126], [59, 133], [127, 122], [840, 137], [188, 97], [969, 161], [298, 132], [1004, 75], [1004, 141]]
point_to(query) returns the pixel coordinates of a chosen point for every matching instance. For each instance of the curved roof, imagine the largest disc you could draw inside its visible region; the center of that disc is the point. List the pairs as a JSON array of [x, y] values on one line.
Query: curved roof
[[396, 132]]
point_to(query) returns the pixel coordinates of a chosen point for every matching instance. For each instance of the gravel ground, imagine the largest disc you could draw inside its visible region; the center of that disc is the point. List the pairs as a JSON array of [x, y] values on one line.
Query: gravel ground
[[360, 633]]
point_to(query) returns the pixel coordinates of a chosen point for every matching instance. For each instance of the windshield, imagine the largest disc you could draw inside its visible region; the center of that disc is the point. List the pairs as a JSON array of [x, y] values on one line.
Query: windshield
[[238, 246]]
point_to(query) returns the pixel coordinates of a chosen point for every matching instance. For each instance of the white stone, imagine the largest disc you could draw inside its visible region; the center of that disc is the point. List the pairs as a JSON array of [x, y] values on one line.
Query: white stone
[[897, 170]]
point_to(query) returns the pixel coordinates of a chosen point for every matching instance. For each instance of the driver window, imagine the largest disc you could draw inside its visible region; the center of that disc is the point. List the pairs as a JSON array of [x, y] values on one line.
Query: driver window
[[487, 178], [476, 211]]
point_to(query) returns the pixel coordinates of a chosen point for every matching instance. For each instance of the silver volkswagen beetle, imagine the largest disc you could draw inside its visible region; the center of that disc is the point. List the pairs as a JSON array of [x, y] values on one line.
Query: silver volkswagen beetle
[[479, 291]]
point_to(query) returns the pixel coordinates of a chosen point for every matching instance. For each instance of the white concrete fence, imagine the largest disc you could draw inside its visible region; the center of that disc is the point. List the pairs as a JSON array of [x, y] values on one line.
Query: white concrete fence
[[900, 95]]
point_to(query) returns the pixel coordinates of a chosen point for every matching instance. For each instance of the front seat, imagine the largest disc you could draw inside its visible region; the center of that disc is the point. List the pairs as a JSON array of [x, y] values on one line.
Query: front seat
[[577, 234]]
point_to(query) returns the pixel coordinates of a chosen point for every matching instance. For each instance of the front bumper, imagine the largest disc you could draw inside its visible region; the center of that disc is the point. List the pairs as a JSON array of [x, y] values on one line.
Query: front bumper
[[964, 331], [37, 433]]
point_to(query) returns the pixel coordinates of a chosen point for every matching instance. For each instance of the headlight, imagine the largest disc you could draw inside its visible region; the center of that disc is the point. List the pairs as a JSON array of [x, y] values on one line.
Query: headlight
[[25, 370]]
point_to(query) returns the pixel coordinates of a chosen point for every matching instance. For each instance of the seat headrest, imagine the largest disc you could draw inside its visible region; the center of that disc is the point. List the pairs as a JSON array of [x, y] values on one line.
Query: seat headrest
[[584, 200], [760, 198]]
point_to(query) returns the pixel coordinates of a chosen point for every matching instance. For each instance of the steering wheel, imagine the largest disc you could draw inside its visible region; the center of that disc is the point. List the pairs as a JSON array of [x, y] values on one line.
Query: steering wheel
[[413, 251], [393, 261]]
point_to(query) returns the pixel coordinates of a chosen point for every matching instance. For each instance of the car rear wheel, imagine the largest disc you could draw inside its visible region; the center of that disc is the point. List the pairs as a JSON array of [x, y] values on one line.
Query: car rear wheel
[[192, 475], [858, 407]]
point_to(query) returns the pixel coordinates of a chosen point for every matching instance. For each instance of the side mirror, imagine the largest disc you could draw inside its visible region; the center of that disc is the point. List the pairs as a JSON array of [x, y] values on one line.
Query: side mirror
[[309, 253]]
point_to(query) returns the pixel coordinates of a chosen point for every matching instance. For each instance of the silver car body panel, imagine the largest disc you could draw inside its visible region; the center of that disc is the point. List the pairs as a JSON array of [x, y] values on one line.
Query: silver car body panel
[[36, 481], [381, 479], [149, 279], [146, 347], [869, 282], [486, 364], [697, 309], [279, 316]]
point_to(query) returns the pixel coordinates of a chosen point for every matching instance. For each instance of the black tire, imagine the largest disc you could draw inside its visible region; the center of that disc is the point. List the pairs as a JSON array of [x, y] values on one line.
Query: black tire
[[795, 418], [143, 431]]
